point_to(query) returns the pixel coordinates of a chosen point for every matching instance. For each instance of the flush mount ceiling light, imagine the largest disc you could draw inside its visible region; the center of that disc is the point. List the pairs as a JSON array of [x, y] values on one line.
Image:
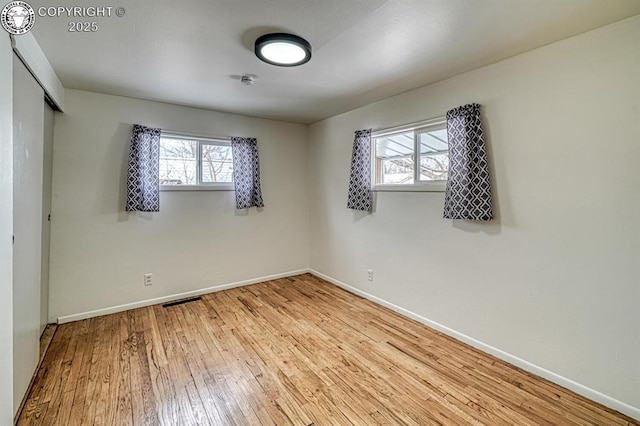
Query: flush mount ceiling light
[[283, 50]]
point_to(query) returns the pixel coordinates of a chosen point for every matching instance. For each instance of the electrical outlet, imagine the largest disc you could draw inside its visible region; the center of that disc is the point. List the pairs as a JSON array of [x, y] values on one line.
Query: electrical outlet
[[370, 274], [147, 279]]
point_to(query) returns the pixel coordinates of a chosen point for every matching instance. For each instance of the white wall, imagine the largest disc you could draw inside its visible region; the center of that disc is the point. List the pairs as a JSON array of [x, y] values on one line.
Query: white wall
[[554, 279], [28, 136], [6, 231], [99, 253]]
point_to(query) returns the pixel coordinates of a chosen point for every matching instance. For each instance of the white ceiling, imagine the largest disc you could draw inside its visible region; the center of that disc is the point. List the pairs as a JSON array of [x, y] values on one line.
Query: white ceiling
[[194, 52]]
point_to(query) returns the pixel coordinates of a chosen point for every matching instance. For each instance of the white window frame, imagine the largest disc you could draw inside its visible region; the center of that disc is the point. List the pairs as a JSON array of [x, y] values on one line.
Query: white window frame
[[417, 185], [200, 140]]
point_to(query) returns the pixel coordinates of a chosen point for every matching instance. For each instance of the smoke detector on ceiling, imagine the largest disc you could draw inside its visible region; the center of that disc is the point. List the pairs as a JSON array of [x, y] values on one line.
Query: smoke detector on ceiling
[[247, 80]]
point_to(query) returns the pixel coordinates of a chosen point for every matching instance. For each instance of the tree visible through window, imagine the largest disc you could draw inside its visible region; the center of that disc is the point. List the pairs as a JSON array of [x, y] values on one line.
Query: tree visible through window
[[194, 161], [217, 163]]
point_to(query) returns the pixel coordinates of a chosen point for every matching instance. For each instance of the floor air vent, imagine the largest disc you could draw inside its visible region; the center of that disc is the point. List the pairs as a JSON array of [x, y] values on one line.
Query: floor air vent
[[180, 302]]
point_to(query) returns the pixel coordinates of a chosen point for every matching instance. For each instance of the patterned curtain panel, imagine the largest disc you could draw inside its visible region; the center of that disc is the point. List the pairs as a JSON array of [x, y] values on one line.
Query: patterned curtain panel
[[468, 194], [246, 172], [360, 178], [143, 187]]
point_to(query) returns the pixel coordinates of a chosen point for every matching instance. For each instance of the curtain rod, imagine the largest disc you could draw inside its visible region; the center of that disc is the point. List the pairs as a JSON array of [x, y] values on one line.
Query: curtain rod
[[414, 125], [183, 135]]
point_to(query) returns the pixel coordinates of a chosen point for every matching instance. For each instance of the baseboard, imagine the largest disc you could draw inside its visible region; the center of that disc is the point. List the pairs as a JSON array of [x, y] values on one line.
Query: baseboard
[[172, 297], [505, 356]]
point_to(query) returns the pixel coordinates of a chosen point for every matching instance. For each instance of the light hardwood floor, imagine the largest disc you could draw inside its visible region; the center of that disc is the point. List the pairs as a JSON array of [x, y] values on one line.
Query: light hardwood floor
[[291, 351]]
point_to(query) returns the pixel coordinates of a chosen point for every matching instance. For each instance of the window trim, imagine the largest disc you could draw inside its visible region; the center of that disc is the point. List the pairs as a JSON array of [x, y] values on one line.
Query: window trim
[[417, 185], [201, 140]]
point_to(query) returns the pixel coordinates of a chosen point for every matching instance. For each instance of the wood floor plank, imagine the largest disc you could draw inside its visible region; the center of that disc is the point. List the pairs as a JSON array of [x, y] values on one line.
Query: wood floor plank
[[78, 389], [91, 390], [296, 351]]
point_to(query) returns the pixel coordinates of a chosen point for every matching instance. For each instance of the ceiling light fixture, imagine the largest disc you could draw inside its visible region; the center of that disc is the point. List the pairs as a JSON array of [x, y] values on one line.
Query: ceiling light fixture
[[283, 50]]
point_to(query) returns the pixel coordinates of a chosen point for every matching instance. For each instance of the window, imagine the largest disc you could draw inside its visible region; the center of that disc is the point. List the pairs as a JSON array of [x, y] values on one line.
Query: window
[[188, 162], [413, 157]]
